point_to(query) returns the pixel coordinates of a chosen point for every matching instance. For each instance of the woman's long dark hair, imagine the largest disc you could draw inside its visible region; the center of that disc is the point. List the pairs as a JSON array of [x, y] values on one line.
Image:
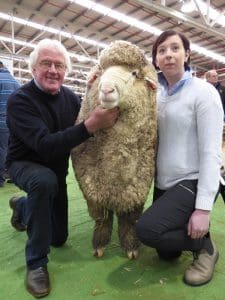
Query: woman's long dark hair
[[163, 36]]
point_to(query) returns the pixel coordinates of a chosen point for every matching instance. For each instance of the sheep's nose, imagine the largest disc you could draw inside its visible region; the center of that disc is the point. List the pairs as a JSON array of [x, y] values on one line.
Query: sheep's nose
[[107, 90]]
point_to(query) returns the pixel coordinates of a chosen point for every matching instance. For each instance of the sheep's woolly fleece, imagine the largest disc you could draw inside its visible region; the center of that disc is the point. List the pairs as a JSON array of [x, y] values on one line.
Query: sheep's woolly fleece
[[122, 53], [115, 167]]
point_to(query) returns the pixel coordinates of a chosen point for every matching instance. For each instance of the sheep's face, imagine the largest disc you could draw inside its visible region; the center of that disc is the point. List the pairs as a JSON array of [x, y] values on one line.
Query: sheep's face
[[113, 82]]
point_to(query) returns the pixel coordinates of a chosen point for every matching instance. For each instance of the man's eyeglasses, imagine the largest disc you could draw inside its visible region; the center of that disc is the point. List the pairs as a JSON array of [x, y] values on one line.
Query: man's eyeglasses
[[46, 65]]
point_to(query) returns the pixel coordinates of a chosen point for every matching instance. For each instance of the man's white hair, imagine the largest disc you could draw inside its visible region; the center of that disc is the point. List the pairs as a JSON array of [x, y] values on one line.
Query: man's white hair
[[210, 72], [49, 44]]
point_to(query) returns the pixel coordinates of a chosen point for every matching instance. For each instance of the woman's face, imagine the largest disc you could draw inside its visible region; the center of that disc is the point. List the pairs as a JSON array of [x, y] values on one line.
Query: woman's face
[[170, 58]]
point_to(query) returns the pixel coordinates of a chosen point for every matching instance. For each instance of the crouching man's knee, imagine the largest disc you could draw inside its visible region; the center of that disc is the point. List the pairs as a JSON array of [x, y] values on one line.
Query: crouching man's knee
[[44, 181]]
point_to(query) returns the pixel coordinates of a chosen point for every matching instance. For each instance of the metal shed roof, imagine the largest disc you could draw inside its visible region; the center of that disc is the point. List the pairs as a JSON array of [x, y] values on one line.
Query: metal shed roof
[[85, 27]]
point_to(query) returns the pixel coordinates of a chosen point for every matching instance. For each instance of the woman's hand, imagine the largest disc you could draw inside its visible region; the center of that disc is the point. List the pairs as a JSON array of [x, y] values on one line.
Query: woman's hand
[[198, 225]]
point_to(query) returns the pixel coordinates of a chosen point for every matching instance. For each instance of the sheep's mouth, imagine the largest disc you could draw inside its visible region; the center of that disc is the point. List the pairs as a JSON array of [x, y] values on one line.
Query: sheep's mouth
[[109, 103], [107, 100]]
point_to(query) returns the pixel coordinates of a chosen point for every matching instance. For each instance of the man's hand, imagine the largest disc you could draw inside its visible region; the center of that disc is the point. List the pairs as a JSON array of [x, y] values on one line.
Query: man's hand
[[198, 224], [101, 118]]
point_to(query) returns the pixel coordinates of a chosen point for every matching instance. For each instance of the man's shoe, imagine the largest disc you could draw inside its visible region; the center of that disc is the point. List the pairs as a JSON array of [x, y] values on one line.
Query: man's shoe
[[15, 220], [202, 267], [7, 177], [9, 180], [37, 282]]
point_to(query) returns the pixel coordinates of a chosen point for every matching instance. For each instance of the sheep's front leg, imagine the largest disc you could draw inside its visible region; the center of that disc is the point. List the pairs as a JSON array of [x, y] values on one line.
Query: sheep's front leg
[[126, 231], [102, 229]]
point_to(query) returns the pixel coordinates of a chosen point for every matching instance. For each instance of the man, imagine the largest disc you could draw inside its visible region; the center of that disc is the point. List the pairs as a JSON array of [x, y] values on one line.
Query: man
[[40, 117], [212, 77], [8, 84]]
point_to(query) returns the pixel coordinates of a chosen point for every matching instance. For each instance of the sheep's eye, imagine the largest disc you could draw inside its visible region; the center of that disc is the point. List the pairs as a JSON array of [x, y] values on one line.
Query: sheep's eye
[[134, 73]]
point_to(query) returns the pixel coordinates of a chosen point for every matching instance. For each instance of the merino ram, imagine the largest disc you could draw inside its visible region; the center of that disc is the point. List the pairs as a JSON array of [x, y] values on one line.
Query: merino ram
[[115, 167]]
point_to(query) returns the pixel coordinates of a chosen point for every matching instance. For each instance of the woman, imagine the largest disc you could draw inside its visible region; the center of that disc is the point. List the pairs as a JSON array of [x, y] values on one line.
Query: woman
[[190, 125]]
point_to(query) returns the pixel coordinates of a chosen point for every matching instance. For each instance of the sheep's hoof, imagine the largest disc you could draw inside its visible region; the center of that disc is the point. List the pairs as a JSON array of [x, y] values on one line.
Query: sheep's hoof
[[99, 252], [132, 254]]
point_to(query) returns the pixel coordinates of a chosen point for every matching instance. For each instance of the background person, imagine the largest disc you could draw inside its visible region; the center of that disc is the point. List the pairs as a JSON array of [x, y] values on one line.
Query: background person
[[40, 117], [212, 77], [8, 84], [190, 126]]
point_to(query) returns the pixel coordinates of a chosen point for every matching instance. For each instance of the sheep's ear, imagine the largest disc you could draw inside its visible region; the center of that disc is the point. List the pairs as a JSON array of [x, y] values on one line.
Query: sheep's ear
[[93, 75], [151, 83], [150, 75]]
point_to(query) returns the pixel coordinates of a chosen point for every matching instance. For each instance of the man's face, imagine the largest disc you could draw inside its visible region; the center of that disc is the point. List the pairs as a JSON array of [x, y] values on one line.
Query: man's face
[[212, 77], [49, 70]]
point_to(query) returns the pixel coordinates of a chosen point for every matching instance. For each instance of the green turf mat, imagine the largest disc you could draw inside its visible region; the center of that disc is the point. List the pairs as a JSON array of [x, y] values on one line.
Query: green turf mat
[[76, 274]]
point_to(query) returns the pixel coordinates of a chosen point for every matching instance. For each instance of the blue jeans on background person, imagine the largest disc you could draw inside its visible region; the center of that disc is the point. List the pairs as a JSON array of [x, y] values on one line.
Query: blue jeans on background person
[[44, 210], [4, 135]]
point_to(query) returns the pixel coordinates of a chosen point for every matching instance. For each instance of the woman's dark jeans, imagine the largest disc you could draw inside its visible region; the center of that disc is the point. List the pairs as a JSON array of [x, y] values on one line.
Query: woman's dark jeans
[[163, 225]]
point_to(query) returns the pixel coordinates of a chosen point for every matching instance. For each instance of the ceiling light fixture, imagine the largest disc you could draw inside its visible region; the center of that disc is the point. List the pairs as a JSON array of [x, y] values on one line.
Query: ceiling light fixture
[[113, 14], [120, 17], [80, 58], [50, 30], [101, 9], [188, 6], [205, 8]]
